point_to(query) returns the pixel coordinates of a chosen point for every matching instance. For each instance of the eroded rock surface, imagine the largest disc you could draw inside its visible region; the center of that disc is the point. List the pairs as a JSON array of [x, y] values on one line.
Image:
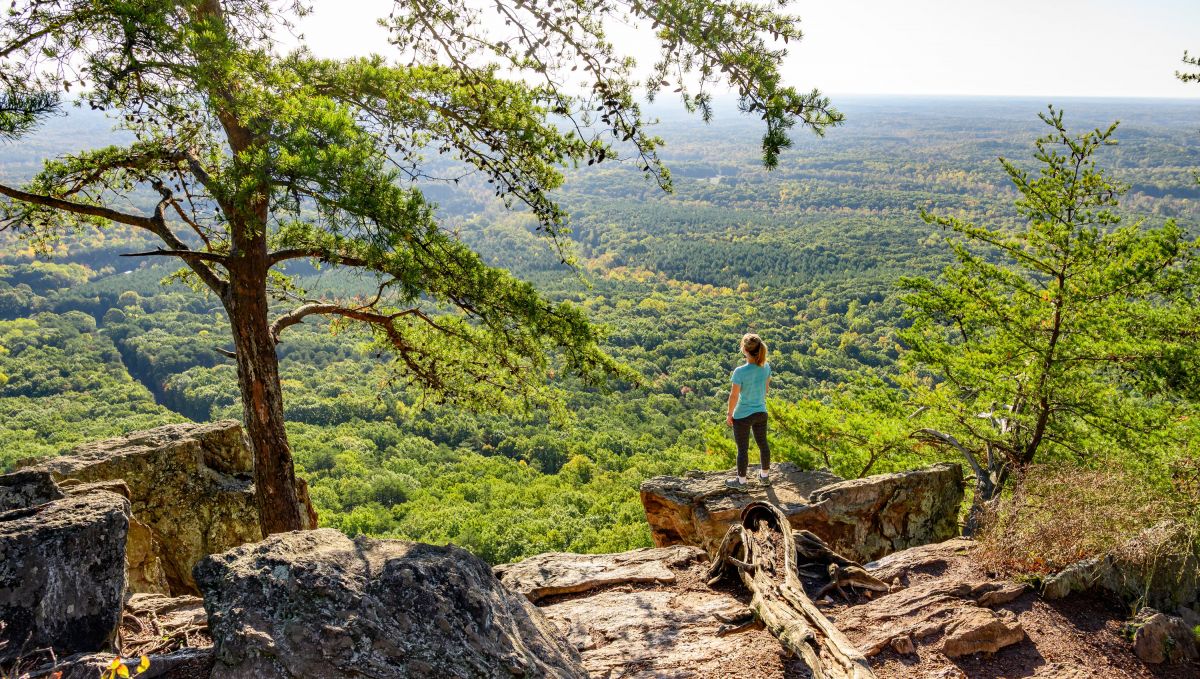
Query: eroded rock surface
[[951, 613], [23, 489], [1157, 568], [861, 518], [661, 628], [559, 573], [318, 604], [62, 574], [191, 487], [938, 603]]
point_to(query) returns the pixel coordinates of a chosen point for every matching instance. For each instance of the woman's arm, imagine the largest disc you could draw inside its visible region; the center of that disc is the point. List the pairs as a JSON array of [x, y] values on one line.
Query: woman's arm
[[733, 397]]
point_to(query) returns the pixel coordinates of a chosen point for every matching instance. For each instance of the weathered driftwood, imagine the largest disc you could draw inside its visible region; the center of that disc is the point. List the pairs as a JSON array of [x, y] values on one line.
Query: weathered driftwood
[[762, 550]]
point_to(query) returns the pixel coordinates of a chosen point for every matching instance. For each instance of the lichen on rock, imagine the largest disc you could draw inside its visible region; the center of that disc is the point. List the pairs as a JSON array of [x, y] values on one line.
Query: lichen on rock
[[191, 490], [62, 574], [318, 604]]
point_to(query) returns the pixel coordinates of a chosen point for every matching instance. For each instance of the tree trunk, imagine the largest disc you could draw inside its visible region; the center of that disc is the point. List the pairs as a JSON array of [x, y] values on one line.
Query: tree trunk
[[262, 402], [762, 550]]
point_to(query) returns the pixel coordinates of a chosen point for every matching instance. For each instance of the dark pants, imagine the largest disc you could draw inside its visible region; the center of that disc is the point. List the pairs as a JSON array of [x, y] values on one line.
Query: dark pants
[[742, 427]]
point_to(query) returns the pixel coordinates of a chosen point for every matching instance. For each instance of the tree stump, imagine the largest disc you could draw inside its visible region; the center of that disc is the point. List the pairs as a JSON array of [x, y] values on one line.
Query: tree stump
[[763, 551]]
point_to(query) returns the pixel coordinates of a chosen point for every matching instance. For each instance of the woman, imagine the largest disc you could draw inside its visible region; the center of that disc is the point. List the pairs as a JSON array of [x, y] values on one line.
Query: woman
[[748, 409]]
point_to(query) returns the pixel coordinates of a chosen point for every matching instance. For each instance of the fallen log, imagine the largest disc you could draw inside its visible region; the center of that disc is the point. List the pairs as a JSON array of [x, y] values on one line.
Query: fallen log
[[762, 551]]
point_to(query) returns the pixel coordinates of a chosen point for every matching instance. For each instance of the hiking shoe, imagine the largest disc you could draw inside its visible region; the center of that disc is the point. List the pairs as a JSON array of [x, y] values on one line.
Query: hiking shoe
[[734, 483], [764, 480]]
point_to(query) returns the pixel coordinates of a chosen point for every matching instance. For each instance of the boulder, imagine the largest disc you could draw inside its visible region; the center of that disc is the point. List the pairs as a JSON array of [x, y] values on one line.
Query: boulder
[[980, 630], [191, 487], [24, 489], [62, 574], [1158, 568], [697, 508], [1161, 638], [558, 573], [952, 610], [860, 518], [318, 604], [144, 568], [932, 559]]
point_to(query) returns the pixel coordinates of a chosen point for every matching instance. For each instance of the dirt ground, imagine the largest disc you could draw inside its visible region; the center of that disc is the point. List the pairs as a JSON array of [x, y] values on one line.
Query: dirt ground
[[1075, 638], [1078, 638]]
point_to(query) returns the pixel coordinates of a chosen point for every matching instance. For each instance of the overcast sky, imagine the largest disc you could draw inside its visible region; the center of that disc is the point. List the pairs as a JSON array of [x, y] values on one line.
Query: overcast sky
[[1119, 48]]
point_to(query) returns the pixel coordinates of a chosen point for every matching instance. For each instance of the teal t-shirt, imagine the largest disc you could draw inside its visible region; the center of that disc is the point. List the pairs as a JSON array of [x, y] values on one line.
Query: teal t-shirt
[[753, 396]]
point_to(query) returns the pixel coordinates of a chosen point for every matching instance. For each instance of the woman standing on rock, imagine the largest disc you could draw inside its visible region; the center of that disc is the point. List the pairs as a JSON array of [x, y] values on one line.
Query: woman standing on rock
[[748, 409]]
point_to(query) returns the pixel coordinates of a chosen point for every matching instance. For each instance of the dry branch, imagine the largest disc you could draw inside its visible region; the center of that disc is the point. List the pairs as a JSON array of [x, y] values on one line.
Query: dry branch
[[762, 551]]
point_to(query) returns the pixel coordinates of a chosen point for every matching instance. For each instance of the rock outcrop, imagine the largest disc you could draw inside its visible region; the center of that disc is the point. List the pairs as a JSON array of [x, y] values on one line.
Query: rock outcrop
[[1158, 568], [558, 573], [24, 489], [954, 613], [144, 567], [1161, 638], [191, 489], [660, 622], [62, 572], [318, 604], [861, 518]]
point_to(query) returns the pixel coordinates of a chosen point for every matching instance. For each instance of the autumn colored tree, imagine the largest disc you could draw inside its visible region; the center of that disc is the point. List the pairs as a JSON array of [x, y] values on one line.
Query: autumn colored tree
[[256, 159]]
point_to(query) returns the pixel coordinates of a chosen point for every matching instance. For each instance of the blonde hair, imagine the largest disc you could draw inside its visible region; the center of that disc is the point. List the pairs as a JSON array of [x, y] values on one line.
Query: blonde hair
[[755, 348]]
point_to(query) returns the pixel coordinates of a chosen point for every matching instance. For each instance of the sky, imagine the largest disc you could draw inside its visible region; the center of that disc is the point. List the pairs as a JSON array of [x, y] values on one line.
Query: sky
[[1089, 48]]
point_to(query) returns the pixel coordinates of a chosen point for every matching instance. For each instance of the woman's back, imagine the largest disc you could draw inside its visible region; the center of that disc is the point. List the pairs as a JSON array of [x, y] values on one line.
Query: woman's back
[[752, 396]]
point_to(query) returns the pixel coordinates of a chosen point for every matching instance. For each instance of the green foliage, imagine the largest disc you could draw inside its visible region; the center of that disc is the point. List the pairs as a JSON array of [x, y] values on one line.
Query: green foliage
[[65, 385], [21, 108], [364, 480], [383, 457], [863, 427], [1043, 341]]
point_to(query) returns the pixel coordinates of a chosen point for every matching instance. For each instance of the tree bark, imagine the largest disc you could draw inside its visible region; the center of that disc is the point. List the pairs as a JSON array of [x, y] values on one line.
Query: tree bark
[[262, 402]]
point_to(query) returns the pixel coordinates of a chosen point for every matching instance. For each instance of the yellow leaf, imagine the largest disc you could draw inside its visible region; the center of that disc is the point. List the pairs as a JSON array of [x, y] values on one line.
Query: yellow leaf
[[123, 671], [116, 662], [144, 664]]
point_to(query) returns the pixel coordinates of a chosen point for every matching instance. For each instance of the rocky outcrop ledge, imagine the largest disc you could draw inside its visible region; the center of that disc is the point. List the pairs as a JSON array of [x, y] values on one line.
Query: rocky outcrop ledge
[[318, 604], [190, 488], [62, 567], [863, 519]]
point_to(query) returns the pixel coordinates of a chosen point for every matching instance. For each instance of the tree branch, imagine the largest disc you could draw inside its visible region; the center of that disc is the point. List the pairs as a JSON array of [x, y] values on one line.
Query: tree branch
[[155, 225], [947, 438], [364, 314], [148, 223], [313, 253], [182, 254]]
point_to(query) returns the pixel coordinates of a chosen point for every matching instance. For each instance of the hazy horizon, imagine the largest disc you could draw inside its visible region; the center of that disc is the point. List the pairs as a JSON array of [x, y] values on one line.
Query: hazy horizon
[[1021, 48]]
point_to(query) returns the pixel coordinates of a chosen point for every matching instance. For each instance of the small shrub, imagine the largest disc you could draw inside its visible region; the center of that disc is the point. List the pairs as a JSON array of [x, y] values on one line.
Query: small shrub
[[1056, 516]]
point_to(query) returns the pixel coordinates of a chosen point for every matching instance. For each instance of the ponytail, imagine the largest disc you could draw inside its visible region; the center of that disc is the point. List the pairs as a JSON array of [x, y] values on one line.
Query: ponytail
[[755, 348]]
